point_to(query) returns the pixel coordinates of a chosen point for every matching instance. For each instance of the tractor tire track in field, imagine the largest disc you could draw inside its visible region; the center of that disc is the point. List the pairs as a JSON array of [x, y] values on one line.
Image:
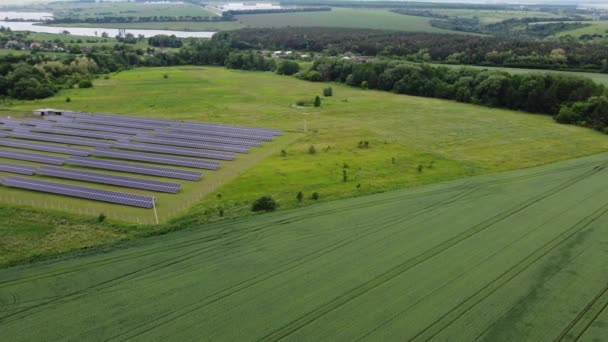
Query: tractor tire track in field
[[227, 225], [397, 270], [243, 285], [593, 310], [452, 281], [459, 310]]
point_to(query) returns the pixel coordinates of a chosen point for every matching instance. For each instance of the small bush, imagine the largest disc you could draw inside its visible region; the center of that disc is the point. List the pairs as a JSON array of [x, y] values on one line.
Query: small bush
[[420, 168], [283, 153], [221, 212], [327, 92], [106, 77], [312, 150], [264, 203], [317, 102], [101, 217], [67, 99], [85, 84], [300, 196], [344, 176], [315, 196], [165, 76]]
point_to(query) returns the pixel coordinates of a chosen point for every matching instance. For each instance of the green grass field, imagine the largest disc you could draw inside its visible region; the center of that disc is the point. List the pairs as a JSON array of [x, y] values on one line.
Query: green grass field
[[125, 9], [492, 16], [343, 17], [448, 139], [174, 26], [516, 256]]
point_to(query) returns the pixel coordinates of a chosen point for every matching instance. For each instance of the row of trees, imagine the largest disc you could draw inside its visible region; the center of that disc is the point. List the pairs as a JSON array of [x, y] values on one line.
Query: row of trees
[[522, 28], [418, 46], [569, 99]]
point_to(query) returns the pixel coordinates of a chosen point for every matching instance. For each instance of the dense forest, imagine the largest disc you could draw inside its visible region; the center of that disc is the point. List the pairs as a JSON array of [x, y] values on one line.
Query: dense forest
[[520, 28], [427, 47]]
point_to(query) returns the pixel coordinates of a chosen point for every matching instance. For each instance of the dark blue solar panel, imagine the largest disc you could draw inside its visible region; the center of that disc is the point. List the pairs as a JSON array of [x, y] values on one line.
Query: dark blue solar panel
[[202, 131], [210, 138], [109, 122], [60, 139], [157, 158], [3, 135], [16, 168], [102, 178], [80, 133], [39, 158], [193, 144], [181, 151], [232, 129], [80, 192], [102, 128], [44, 147], [135, 168]]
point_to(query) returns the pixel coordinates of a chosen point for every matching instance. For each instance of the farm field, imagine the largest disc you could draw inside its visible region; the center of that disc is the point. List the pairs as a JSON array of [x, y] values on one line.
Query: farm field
[[447, 140], [172, 25], [343, 17], [506, 257], [596, 27], [492, 16]]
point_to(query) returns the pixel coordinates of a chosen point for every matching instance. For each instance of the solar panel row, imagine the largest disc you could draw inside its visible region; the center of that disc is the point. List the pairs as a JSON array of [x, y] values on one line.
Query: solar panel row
[[128, 118], [221, 134], [119, 123], [181, 151], [34, 157], [44, 147], [60, 139], [192, 144], [16, 168], [80, 133], [135, 168], [210, 138], [94, 177], [3, 135], [80, 192], [234, 129], [101, 128], [157, 158]]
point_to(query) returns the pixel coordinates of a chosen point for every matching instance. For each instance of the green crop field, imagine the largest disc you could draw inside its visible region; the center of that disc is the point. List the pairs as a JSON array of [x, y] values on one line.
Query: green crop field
[[517, 256], [596, 27], [343, 17], [492, 16], [446, 139]]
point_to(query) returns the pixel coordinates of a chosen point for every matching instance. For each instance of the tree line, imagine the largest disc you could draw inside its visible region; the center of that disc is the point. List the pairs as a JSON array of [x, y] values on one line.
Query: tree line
[[427, 47]]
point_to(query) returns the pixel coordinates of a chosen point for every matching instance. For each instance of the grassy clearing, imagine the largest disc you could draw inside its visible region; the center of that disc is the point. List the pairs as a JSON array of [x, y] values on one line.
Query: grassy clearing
[[517, 256], [449, 140]]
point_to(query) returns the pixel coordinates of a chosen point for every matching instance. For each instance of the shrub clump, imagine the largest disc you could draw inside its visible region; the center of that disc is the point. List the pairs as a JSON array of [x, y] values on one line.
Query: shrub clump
[[264, 203]]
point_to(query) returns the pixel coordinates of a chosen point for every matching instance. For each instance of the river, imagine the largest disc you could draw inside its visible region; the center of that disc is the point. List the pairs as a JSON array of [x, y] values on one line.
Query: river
[[96, 32]]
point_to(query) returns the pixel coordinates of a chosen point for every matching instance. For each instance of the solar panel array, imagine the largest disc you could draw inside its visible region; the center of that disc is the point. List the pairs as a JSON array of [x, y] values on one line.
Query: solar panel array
[[192, 144], [16, 168], [181, 151], [39, 158], [210, 138], [80, 192], [102, 178], [157, 158], [60, 139], [135, 168], [158, 141], [44, 147]]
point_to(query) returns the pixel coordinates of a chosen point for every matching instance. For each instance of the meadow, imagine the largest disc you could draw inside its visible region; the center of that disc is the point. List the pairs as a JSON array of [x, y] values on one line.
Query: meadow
[[412, 141], [596, 27], [516, 256], [492, 16]]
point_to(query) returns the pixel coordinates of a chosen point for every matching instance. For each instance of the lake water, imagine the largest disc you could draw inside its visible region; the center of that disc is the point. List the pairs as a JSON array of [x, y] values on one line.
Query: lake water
[[26, 15], [90, 31]]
